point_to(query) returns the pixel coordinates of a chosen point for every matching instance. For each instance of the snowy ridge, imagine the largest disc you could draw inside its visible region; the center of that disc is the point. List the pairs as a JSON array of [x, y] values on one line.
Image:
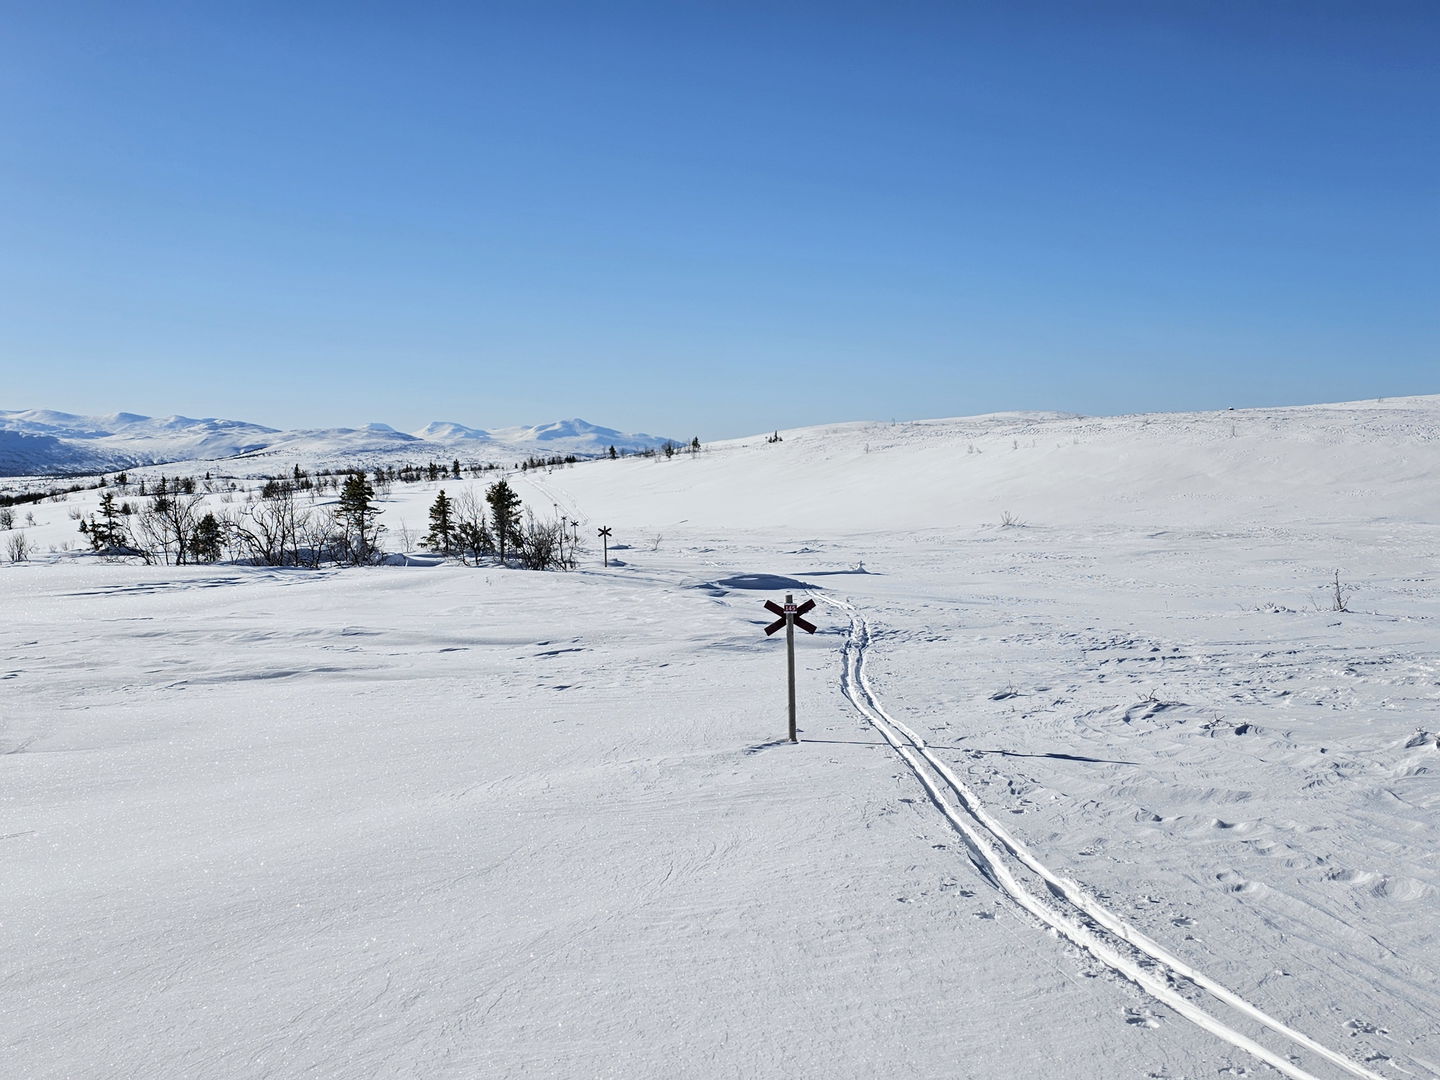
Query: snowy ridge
[[1358, 460]]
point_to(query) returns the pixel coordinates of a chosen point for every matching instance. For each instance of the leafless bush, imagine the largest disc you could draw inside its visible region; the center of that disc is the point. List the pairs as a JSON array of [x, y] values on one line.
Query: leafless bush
[[542, 545], [407, 538], [18, 547], [7, 518], [279, 531], [166, 527], [1009, 520], [1340, 599], [473, 540]]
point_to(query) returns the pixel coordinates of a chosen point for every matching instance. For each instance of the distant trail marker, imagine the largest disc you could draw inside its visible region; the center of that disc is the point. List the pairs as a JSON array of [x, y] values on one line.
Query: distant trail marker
[[605, 539], [790, 617]]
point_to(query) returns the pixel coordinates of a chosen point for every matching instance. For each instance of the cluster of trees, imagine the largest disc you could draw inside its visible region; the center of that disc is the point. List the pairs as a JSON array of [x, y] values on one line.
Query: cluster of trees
[[501, 529], [535, 462], [286, 526], [280, 528], [668, 448]]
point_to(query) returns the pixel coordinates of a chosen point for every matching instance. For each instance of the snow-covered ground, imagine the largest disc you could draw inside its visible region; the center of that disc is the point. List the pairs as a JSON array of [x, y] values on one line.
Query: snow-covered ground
[[1112, 791]]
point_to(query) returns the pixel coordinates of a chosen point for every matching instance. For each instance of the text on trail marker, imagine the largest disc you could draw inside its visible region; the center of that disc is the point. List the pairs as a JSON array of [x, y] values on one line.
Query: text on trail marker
[[792, 610]]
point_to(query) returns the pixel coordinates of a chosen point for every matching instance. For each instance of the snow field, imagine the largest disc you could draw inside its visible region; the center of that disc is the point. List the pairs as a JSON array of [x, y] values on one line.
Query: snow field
[[441, 821]]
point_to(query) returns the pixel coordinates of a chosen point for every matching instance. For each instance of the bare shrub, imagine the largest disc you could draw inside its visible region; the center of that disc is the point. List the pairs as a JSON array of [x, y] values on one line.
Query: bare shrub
[[1340, 598], [18, 547], [541, 545], [279, 531]]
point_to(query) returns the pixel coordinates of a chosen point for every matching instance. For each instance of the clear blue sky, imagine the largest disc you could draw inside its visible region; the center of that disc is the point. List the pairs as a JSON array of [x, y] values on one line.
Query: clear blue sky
[[714, 218]]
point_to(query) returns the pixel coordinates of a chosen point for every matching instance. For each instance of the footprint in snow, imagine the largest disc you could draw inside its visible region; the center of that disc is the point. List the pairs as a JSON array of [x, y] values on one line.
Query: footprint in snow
[[1142, 1018]]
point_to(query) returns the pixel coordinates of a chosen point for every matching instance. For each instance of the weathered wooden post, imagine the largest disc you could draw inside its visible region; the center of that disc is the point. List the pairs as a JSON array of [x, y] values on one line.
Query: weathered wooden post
[[790, 617], [605, 540]]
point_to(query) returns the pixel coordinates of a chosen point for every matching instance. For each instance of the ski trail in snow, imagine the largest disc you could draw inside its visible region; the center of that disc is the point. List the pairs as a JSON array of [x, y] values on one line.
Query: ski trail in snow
[[1074, 914]]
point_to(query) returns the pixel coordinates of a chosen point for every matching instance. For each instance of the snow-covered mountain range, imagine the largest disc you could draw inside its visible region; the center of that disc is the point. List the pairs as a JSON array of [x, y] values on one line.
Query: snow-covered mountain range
[[42, 442]]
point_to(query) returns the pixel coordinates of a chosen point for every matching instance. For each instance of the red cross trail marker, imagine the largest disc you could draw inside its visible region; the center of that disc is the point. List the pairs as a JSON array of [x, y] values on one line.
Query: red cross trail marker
[[790, 617]]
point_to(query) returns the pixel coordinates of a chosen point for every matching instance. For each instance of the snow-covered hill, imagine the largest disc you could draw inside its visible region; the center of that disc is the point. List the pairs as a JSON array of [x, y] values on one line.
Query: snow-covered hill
[[1146, 787], [1315, 463], [41, 442]]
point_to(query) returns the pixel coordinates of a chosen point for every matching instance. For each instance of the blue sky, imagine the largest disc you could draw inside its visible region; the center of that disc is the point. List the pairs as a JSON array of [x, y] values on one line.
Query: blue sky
[[714, 218]]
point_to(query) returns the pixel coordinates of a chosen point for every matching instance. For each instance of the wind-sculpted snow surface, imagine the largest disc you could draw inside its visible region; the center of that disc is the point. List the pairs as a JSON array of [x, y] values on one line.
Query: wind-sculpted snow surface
[[1069, 911], [1111, 793]]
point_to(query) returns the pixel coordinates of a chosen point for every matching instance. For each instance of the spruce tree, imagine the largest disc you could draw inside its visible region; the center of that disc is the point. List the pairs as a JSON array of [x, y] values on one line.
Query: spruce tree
[[113, 535], [106, 532], [504, 513], [205, 541], [356, 514], [442, 525]]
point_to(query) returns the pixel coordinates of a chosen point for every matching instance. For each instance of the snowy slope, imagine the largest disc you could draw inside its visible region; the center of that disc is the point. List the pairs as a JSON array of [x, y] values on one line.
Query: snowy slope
[[1315, 463], [1112, 793]]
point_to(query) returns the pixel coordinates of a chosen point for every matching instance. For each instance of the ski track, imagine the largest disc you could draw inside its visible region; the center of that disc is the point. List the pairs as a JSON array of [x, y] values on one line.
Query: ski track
[[1070, 912]]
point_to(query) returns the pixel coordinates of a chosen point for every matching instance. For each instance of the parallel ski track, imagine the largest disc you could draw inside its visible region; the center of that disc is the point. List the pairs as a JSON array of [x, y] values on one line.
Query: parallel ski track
[[1062, 904]]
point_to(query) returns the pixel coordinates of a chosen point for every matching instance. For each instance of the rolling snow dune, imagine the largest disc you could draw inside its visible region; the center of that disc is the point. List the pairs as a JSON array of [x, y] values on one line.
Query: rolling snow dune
[[1114, 792]]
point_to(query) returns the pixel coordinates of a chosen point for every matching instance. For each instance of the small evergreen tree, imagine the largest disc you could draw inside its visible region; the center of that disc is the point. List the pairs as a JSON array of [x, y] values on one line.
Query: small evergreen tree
[[442, 525], [107, 532], [455, 469], [113, 534], [205, 541], [504, 513], [356, 514]]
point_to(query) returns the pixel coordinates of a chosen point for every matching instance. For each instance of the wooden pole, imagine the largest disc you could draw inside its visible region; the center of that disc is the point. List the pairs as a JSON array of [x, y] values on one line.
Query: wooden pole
[[790, 657]]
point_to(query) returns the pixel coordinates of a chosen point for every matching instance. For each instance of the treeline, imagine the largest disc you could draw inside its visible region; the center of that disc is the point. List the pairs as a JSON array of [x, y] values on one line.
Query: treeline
[[54, 494], [667, 449]]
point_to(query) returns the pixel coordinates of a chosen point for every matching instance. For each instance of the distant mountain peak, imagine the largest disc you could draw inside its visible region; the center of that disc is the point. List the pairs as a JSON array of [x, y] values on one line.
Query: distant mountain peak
[[44, 441]]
